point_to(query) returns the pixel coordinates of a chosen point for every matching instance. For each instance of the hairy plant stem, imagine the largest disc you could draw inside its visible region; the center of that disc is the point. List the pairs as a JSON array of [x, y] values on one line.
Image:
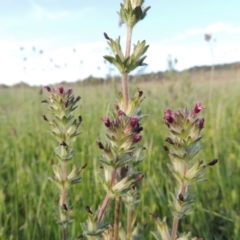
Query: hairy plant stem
[[116, 217], [63, 199], [174, 228], [63, 196], [129, 222], [129, 40], [125, 90], [107, 197], [64, 233], [126, 100], [125, 75], [183, 190]]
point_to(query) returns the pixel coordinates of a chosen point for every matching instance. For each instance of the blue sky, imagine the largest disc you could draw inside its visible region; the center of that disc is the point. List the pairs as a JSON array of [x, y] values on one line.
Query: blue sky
[[47, 41]]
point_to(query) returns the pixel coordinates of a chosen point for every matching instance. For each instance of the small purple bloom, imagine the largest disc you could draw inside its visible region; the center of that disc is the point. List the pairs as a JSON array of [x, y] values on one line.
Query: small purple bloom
[[120, 113], [61, 89], [116, 106], [134, 121], [137, 138], [198, 107], [69, 91], [106, 121], [49, 89], [168, 116], [201, 123]]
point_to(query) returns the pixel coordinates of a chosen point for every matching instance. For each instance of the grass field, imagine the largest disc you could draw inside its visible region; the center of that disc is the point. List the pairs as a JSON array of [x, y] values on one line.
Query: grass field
[[28, 198]]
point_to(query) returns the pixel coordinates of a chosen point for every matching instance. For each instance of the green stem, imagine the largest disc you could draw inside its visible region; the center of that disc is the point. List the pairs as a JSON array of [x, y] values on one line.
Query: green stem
[[63, 201], [183, 190], [125, 90], [107, 197], [129, 222], [125, 75], [116, 217], [64, 233], [63, 196], [128, 43], [174, 228]]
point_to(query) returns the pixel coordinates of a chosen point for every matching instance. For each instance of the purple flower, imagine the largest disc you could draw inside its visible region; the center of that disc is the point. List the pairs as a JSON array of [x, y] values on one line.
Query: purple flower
[[61, 89], [49, 89], [134, 121], [120, 113], [106, 121], [116, 106], [137, 138], [201, 123], [198, 107], [168, 116], [69, 91]]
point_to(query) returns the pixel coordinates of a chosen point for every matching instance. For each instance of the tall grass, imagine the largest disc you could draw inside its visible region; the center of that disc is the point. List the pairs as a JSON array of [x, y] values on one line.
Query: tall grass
[[26, 210]]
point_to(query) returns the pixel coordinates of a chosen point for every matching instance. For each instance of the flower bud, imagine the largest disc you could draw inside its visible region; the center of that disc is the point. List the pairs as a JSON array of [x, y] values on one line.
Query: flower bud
[[168, 116], [78, 98], [201, 123], [87, 208], [123, 171], [49, 89], [169, 140], [45, 118], [137, 138], [134, 121], [100, 145], [120, 113], [69, 91], [213, 162], [106, 36], [61, 89], [106, 121], [198, 107], [116, 106], [166, 148]]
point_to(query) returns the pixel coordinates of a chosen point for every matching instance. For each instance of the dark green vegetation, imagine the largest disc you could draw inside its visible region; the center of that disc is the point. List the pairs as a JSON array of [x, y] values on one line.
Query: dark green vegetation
[[27, 197]]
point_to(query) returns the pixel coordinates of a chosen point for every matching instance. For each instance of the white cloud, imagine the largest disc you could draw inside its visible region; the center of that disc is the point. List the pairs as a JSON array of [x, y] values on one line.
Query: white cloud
[[194, 31], [180, 37], [217, 27], [40, 12], [51, 66], [234, 30]]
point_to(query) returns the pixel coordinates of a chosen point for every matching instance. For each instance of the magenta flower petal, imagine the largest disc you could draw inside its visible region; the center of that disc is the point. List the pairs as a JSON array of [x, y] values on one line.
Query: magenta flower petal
[[201, 123], [116, 106], [61, 89], [134, 121], [198, 107], [168, 116], [48, 88], [106, 121], [137, 138]]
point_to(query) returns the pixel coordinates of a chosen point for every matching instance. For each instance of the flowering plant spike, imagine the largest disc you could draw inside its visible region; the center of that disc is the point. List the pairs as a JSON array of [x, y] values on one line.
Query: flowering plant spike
[[183, 145], [64, 128], [122, 152]]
